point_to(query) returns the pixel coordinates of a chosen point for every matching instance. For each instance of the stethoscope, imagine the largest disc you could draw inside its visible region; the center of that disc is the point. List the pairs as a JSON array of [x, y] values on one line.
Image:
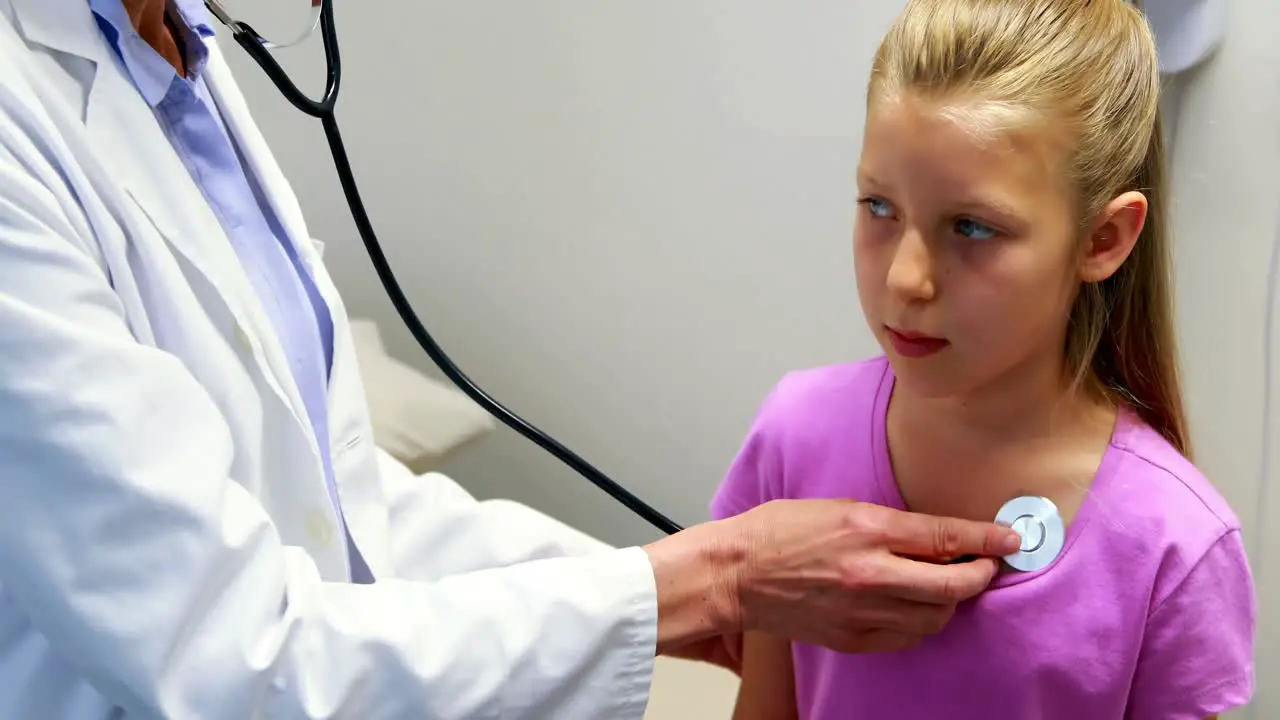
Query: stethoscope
[[259, 49], [1035, 518]]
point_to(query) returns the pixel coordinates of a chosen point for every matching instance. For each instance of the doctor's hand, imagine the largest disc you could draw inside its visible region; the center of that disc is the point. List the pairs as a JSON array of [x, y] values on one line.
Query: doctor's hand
[[846, 575], [723, 651], [856, 577]]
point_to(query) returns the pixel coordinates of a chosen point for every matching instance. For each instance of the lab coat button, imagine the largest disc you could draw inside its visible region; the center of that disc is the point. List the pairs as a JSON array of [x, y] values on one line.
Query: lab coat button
[[319, 528]]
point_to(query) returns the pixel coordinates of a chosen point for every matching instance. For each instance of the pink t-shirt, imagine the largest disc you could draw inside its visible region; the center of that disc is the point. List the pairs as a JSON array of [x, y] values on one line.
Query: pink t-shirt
[[1147, 614]]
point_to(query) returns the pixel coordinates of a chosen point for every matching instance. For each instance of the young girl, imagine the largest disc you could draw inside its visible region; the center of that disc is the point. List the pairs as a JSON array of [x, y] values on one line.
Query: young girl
[[1012, 260]]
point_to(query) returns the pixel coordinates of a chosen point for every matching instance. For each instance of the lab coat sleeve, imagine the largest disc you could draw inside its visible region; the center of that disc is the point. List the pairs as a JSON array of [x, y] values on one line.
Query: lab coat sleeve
[[160, 579], [438, 529]]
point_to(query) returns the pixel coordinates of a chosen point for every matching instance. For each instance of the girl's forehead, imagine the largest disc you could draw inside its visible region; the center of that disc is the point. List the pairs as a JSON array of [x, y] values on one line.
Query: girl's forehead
[[962, 144]]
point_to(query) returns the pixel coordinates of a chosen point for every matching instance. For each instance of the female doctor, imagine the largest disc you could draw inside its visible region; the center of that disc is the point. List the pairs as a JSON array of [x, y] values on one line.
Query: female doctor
[[197, 523]]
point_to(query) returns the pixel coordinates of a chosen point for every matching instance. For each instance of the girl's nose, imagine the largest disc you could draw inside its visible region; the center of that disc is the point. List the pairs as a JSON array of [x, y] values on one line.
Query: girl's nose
[[911, 274]]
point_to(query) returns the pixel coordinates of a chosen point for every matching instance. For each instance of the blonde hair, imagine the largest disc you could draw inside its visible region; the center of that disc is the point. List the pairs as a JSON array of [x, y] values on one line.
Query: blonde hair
[[1088, 66]]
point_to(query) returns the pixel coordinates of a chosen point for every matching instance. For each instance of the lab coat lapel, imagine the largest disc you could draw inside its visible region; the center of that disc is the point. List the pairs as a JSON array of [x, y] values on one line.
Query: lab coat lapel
[[261, 165], [124, 131], [123, 128], [61, 25], [355, 470]]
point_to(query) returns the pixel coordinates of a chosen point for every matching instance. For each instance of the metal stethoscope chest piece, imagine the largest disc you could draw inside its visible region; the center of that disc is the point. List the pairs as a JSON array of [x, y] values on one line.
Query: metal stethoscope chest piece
[[1037, 520]]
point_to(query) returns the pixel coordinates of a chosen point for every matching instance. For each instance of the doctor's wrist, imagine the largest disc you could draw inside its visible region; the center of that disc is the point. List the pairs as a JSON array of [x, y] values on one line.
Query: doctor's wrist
[[698, 575]]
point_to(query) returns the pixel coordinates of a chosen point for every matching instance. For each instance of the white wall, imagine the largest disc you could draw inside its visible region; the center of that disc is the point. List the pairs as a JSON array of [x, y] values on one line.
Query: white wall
[[628, 219], [1227, 186]]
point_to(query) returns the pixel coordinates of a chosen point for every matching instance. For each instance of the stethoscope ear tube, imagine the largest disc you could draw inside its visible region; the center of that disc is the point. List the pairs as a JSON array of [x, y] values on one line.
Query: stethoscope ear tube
[[220, 12], [259, 49]]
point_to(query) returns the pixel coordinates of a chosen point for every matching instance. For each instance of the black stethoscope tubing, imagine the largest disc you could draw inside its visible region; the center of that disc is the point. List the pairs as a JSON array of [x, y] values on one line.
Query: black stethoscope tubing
[[257, 48]]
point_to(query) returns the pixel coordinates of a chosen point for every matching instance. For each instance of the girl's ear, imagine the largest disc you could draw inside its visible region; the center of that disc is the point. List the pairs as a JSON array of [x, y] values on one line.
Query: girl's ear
[[1113, 236]]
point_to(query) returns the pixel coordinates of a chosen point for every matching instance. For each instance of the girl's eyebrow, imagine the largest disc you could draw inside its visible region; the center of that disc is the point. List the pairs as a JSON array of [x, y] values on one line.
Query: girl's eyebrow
[[995, 205], [868, 178]]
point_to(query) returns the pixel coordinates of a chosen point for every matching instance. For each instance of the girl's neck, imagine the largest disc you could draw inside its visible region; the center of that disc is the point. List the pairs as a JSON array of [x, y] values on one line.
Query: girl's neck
[[1028, 403], [1032, 432]]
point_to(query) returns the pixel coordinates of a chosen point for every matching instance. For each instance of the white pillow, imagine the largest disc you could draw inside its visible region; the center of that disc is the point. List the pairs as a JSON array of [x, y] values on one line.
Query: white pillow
[[416, 419]]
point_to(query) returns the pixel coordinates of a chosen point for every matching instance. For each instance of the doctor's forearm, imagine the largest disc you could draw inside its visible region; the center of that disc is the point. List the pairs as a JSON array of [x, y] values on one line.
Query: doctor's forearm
[[697, 573]]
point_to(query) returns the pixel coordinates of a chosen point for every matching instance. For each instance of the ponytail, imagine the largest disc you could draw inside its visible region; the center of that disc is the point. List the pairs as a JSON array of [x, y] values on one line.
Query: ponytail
[[1122, 332]]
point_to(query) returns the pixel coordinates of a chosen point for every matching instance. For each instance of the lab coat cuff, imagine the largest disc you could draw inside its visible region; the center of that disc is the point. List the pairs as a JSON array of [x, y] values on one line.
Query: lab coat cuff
[[634, 572]]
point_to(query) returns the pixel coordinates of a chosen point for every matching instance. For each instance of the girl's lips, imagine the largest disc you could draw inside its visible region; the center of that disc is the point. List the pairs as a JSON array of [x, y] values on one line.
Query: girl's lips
[[915, 345]]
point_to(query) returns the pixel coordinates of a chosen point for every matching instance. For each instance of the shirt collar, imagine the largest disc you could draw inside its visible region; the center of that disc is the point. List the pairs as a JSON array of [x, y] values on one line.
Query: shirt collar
[[150, 73]]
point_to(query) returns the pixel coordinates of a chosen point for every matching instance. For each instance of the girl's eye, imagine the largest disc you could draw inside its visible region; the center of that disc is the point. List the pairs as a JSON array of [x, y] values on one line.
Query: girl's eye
[[878, 207], [974, 230]]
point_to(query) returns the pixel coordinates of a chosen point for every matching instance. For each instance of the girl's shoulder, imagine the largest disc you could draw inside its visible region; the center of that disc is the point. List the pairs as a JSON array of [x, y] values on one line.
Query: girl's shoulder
[[813, 436], [1151, 497], [1158, 538], [821, 402]]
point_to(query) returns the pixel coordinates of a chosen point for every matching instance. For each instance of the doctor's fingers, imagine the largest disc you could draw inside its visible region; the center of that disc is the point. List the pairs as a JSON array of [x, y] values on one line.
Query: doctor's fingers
[[895, 616], [896, 625], [931, 583], [943, 539], [883, 641]]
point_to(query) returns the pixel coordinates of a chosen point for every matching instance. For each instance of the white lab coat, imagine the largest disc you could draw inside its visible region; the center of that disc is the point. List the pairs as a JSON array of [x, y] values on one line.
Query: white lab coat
[[167, 544]]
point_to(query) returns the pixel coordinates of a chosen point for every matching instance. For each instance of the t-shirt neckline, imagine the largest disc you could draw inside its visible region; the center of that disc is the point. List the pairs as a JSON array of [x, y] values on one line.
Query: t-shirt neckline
[[891, 494]]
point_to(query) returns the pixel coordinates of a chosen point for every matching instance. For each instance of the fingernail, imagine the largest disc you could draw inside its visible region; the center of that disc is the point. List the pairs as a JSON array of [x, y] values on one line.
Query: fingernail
[[1012, 543]]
